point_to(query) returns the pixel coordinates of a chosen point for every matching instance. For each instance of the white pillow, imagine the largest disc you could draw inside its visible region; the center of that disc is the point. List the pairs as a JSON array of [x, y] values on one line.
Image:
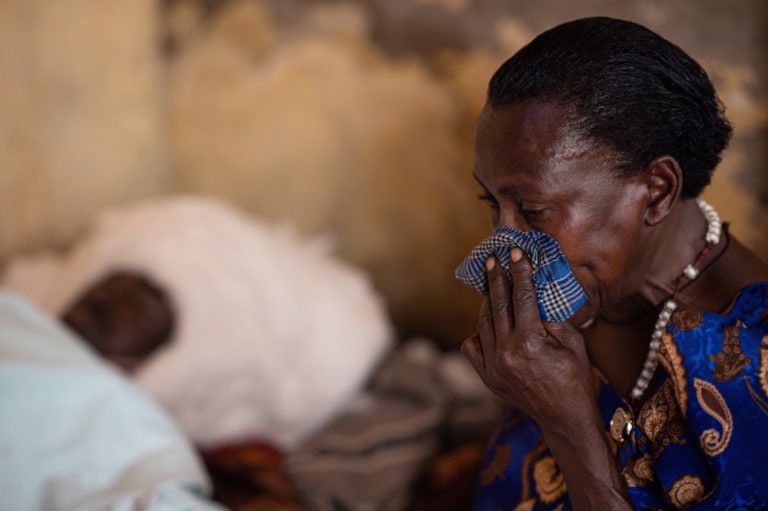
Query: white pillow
[[273, 335]]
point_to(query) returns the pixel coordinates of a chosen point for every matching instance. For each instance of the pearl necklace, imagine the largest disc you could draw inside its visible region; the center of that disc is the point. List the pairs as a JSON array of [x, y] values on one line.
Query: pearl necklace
[[690, 272]]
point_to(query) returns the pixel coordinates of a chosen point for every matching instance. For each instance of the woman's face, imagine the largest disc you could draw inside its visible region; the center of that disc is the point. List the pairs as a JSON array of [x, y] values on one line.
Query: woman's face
[[537, 175]]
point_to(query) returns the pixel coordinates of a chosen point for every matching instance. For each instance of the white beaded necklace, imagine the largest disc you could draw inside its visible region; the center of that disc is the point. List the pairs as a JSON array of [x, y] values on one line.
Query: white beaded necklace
[[690, 272]]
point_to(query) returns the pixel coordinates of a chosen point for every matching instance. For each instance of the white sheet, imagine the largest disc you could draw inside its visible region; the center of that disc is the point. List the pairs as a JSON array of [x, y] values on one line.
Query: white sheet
[[283, 331], [75, 434]]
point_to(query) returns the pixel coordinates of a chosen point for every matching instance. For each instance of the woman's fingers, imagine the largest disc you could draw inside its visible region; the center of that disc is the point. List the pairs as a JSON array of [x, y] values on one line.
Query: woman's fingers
[[472, 350], [486, 337], [526, 307], [513, 350], [566, 335], [500, 298]]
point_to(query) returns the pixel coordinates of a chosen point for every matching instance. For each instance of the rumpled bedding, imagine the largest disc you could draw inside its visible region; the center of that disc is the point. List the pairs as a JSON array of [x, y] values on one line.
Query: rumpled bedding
[[284, 332], [416, 433], [76, 435], [412, 441], [271, 394]]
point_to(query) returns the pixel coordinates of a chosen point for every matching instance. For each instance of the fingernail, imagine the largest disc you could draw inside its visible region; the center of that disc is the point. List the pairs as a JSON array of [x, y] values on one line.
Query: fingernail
[[490, 263], [515, 254]]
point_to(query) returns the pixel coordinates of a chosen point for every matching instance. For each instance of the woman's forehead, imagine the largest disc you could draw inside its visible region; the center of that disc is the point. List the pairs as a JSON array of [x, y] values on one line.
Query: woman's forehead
[[534, 144], [541, 128]]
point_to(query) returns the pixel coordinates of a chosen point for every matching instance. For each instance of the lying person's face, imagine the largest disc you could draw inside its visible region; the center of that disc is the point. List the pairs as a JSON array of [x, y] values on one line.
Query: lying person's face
[[537, 175], [123, 317]]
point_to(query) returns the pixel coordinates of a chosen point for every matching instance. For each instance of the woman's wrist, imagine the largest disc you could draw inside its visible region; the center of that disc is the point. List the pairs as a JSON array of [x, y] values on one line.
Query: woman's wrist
[[587, 463], [576, 414]]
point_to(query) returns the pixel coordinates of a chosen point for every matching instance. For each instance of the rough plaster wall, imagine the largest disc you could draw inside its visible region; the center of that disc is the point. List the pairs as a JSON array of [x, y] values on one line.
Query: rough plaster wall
[[315, 126], [356, 118], [348, 118], [80, 123], [728, 40]]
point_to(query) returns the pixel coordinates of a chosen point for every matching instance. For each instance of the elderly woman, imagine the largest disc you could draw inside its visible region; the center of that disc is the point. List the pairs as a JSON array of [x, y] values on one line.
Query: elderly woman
[[640, 378]]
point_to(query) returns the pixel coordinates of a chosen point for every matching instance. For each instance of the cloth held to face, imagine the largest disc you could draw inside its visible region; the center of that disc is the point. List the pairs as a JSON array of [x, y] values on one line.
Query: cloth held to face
[[559, 294]]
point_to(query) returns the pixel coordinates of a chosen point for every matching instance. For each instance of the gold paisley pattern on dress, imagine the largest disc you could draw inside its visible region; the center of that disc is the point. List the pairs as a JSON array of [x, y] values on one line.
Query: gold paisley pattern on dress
[[527, 461], [686, 491], [660, 418], [526, 505], [712, 402], [672, 361], [495, 469], [687, 318], [731, 359], [550, 484], [643, 467], [654, 414], [639, 471]]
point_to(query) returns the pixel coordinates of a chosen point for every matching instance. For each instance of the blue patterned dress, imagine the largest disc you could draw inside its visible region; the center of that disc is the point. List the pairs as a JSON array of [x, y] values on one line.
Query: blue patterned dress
[[699, 442]]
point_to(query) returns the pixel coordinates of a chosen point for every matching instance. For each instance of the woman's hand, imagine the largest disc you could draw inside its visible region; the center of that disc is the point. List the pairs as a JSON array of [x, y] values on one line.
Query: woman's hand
[[543, 370], [540, 368]]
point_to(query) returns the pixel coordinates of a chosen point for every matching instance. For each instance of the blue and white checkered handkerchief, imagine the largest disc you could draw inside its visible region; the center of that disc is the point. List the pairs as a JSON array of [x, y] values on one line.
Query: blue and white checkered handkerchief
[[559, 295]]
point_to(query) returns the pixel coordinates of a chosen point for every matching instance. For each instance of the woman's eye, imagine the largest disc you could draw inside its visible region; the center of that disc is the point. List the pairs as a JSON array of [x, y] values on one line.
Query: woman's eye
[[533, 215], [487, 197]]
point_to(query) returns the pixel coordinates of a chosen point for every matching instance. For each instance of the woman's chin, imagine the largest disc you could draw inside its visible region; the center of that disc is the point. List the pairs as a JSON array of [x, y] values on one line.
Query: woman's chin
[[584, 316]]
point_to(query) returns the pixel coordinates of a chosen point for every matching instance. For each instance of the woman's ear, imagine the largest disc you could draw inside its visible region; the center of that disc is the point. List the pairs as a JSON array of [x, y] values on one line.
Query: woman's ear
[[664, 180]]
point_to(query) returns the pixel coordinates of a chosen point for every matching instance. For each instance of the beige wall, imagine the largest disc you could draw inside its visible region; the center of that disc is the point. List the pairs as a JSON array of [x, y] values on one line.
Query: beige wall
[[352, 119], [80, 114]]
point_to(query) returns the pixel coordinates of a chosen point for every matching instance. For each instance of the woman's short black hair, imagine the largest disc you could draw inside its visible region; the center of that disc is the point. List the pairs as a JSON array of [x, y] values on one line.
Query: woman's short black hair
[[623, 85]]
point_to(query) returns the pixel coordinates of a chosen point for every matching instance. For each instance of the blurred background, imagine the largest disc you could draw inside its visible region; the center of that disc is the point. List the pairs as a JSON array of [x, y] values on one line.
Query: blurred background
[[347, 119]]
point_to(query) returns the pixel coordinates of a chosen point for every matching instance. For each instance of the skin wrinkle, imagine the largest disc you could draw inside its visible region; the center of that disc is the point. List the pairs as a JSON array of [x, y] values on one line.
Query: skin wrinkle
[[658, 285]]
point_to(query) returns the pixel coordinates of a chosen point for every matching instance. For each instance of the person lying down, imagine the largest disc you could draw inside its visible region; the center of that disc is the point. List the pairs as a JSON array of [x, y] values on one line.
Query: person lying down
[[75, 434], [125, 318], [231, 283], [197, 303]]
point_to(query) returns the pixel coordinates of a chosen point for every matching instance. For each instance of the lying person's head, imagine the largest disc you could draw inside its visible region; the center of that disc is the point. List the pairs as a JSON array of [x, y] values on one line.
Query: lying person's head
[[124, 317]]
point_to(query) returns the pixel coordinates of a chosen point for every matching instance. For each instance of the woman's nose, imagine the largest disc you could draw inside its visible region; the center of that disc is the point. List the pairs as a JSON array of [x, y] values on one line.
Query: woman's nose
[[511, 218]]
